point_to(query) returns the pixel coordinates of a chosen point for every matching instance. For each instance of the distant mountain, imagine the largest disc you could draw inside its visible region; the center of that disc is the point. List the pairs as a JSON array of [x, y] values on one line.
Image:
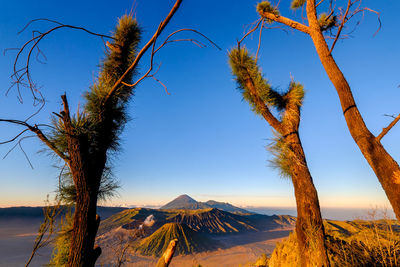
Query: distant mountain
[[185, 202], [189, 241], [225, 206], [37, 212]]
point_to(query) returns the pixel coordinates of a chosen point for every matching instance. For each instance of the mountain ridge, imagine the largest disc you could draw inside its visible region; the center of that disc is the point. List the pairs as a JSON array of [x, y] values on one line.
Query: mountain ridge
[[185, 202]]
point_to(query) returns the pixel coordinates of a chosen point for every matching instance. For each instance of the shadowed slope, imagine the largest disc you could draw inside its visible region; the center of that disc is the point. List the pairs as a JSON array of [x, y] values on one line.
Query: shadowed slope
[[188, 240], [214, 221]]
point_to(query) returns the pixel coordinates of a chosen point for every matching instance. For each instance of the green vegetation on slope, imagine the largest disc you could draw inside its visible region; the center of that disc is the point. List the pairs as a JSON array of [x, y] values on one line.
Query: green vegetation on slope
[[350, 243], [213, 221], [188, 240]]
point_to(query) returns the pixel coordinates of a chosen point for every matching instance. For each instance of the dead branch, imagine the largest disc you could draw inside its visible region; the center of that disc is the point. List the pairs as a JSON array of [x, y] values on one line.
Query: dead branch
[[167, 41], [286, 21], [35, 129], [344, 19], [46, 229], [258, 22], [163, 24], [259, 39], [320, 2], [387, 129], [22, 77]]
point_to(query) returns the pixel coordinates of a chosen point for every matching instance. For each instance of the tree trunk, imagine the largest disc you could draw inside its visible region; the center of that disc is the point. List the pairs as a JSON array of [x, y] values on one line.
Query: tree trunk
[[82, 251], [86, 174], [166, 258], [309, 225], [385, 167]]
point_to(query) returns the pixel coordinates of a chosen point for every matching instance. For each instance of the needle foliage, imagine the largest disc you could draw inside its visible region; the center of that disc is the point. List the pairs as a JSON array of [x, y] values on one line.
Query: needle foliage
[[287, 104], [97, 128], [99, 124]]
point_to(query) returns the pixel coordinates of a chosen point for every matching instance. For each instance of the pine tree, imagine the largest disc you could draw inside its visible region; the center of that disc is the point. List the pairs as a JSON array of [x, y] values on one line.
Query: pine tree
[[287, 148]]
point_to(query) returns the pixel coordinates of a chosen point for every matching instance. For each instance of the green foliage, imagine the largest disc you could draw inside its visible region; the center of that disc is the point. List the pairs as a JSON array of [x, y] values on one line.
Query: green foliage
[[355, 243], [62, 242], [98, 126], [245, 70], [67, 191], [282, 159], [325, 22], [106, 122], [267, 7], [288, 104], [297, 4], [188, 240]]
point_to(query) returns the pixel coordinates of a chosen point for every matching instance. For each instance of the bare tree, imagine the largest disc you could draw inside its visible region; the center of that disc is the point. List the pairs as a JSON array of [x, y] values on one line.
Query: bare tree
[[327, 28], [84, 141]]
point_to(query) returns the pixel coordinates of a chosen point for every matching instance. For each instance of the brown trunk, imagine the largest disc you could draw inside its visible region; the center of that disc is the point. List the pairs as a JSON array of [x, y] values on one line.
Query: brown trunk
[[82, 251], [86, 175], [309, 225], [385, 167]]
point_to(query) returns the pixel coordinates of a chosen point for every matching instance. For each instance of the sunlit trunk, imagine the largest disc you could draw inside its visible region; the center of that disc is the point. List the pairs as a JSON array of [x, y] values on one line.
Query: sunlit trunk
[[309, 225], [385, 167]]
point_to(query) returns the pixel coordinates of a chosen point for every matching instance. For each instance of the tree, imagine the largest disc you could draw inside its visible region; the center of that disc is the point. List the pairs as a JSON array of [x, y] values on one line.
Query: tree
[[86, 140], [287, 148], [320, 29]]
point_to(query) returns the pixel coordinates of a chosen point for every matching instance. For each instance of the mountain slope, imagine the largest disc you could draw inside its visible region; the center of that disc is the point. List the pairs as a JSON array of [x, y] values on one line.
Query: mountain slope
[[213, 221], [188, 240], [225, 207], [184, 202]]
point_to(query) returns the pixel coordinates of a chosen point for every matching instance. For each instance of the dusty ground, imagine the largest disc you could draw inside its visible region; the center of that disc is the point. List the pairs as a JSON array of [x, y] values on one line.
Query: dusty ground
[[235, 250], [16, 241], [17, 237]]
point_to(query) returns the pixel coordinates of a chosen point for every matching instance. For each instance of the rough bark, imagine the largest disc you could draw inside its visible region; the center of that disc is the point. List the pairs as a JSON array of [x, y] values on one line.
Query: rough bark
[[385, 167], [310, 230], [87, 179]]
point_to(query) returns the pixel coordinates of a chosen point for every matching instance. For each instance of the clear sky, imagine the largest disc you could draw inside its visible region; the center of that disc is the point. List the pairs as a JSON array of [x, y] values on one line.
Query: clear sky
[[203, 140]]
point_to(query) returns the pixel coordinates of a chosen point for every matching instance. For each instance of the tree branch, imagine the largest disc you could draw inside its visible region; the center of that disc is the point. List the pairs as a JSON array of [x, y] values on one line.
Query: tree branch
[[19, 75], [341, 26], [288, 22], [143, 50], [265, 112], [39, 134], [387, 129]]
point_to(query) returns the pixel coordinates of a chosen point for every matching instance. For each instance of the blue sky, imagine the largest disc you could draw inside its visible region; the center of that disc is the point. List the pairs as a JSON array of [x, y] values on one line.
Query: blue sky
[[203, 140]]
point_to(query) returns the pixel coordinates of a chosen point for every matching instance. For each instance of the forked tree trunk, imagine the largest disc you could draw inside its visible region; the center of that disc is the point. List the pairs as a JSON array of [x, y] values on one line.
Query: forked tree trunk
[[310, 230], [309, 225], [86, 174], [385, 167]]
